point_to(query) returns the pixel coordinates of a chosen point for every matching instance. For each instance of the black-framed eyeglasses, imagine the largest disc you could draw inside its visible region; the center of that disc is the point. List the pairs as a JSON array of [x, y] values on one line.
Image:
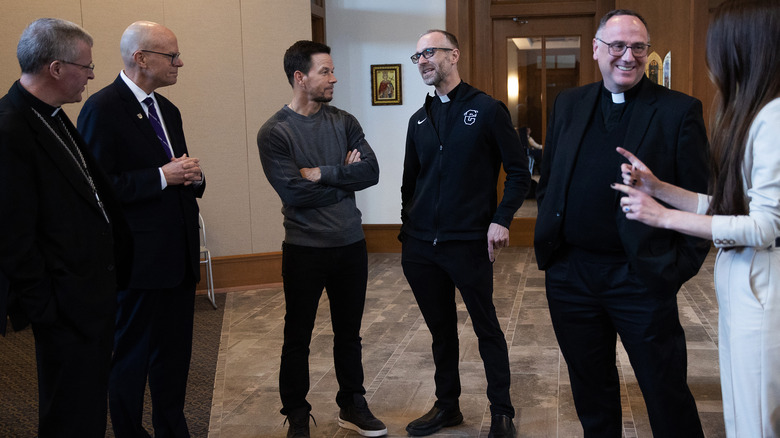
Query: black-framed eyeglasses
[[618, 48], [91, 65], [173, 56], [427, 53]]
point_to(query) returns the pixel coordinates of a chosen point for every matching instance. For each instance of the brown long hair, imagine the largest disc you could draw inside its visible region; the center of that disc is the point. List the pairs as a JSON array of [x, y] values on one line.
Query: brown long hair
[[743, 61]]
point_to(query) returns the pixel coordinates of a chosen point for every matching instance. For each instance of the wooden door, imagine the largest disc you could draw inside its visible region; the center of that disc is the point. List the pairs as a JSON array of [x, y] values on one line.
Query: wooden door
[[536, 58]]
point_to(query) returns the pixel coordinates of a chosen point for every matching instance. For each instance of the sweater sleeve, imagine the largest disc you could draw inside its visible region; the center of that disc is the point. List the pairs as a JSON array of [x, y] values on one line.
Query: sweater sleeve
[[355, 176], [285, 176]]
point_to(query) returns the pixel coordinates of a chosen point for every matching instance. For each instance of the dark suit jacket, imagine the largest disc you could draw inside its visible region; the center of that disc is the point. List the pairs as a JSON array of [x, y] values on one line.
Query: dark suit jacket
[[164, 222], [666, 131], [60, 256]]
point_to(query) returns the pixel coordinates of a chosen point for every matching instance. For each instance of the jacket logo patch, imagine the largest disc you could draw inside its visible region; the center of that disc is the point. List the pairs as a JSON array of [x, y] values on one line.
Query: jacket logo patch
[[470, 116]]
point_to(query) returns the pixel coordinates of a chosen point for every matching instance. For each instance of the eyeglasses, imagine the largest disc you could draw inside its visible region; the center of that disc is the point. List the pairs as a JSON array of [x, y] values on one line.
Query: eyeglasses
[[91, 65], [427, 53], [173, 56], [618, 48]]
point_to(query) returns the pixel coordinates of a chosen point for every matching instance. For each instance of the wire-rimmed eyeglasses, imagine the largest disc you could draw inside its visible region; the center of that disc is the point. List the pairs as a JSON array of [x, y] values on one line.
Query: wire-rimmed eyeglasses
[[427, 53], [90, 66], [173, 56], [618, 48]]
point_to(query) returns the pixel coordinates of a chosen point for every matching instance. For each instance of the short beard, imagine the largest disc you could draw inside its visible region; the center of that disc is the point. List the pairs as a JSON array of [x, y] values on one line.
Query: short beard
[[323, 99], [435, 79]]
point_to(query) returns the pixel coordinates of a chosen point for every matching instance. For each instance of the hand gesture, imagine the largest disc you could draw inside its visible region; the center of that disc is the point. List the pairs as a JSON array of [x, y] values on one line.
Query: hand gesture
[[640, 206], [636, 174]]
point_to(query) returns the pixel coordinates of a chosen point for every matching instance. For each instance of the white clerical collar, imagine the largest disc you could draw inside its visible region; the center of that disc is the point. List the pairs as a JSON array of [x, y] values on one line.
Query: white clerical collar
[[618, 98], [444, 99]]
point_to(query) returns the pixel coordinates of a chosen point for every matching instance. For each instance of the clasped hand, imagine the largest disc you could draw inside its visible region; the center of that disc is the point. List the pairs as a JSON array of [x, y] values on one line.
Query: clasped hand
[[182, 170]]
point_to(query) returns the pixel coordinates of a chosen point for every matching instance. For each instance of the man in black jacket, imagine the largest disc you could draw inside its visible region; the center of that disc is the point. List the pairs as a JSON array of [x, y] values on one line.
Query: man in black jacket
[[606, 275], [64, 244], [452, 228]]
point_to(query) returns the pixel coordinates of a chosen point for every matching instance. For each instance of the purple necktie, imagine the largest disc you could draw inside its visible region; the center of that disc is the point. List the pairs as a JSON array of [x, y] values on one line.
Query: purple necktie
[[157, 125]]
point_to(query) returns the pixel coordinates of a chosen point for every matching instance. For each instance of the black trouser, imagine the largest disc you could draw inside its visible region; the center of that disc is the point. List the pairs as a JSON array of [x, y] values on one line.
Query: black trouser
[[153, 339], [592, 299], [72, 380], [343, 273], [433, 273]]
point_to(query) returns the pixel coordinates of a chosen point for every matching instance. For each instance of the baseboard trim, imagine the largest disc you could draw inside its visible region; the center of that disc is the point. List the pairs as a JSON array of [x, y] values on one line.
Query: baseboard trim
[[265, 269]]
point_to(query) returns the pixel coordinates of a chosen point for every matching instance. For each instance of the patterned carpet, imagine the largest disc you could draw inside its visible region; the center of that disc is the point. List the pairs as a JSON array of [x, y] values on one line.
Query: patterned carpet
[[19, 391]]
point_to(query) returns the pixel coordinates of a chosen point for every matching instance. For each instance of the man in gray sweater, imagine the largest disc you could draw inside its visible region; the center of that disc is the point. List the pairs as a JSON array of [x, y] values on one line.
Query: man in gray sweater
[[316, 157]]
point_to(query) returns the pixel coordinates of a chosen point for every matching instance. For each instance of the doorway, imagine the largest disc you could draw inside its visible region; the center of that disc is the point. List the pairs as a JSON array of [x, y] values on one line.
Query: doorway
[[534, 59], [537, 58]]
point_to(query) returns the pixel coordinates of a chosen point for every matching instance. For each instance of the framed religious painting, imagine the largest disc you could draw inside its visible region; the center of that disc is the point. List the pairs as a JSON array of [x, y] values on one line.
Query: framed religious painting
[[386, 84]]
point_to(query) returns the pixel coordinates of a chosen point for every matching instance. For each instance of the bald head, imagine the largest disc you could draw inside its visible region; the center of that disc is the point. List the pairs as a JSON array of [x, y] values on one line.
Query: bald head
[[142, 35], [150, 53]]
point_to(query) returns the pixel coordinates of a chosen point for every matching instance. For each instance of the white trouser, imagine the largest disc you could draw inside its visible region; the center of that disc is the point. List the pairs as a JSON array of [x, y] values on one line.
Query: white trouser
[[747, 281]]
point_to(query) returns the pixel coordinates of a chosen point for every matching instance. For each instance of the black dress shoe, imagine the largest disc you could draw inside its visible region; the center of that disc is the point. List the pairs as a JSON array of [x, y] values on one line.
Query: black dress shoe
[[501, 426], [434, 420]]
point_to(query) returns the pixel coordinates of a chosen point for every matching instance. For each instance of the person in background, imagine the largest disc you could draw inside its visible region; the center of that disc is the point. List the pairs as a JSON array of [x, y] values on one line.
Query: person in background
[[742, 215]]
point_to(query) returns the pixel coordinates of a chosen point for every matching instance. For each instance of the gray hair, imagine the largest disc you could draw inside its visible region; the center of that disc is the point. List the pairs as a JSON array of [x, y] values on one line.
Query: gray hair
[[47, 40]]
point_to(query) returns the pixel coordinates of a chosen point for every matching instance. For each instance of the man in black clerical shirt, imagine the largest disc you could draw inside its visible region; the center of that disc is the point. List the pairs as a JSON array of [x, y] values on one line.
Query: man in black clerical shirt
[[606, 275], [65, 247], [453, 225]]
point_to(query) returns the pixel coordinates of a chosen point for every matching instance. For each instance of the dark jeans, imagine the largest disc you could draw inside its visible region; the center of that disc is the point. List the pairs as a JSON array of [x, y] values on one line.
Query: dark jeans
[[592, 299], [343, 273], [433, 273], [72, 380], [153, 340]]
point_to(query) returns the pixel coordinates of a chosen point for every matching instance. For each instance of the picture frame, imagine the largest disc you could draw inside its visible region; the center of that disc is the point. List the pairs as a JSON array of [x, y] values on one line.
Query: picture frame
[[386, 84]]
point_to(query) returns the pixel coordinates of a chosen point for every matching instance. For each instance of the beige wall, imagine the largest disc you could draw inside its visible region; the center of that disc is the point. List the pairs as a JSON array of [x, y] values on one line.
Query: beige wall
[[231, 82]]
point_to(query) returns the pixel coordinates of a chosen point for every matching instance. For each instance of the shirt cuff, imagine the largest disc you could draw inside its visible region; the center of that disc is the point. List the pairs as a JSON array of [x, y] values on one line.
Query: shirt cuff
[[163, 182]]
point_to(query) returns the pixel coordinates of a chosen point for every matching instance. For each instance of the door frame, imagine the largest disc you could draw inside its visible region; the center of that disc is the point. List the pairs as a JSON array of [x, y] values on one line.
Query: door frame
[[540, 27]]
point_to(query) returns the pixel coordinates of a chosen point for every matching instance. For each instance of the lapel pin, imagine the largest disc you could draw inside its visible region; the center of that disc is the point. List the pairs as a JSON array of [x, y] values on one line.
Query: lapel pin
[[140, 116]]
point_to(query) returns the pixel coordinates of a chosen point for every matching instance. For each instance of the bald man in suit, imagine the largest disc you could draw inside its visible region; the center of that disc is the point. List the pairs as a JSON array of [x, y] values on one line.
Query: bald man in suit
[[137, 137]]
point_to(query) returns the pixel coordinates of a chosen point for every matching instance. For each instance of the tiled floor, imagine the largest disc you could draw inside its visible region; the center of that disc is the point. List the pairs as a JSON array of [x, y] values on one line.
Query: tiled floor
[[399, 368]]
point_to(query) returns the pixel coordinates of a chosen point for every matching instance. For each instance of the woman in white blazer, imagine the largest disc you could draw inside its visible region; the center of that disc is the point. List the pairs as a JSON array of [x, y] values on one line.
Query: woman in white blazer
[[742, 215]]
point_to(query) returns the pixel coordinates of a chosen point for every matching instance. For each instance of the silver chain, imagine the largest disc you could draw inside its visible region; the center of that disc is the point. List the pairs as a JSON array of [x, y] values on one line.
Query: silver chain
[[81, 163]]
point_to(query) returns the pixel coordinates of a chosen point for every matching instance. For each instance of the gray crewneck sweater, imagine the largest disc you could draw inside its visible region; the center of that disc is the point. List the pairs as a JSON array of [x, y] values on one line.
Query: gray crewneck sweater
[[321, 214]]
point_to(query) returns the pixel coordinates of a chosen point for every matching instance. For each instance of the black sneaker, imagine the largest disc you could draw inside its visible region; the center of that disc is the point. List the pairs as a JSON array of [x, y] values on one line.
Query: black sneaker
[[359, 418], [299, 423]]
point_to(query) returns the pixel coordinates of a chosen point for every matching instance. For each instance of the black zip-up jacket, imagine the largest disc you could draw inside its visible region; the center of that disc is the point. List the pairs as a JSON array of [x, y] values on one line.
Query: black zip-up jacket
[[449, 182]]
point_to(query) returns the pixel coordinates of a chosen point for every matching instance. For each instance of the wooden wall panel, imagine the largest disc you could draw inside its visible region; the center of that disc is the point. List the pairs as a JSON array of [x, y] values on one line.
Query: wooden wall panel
[[669, 23], [211, 94], [266, 36]]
